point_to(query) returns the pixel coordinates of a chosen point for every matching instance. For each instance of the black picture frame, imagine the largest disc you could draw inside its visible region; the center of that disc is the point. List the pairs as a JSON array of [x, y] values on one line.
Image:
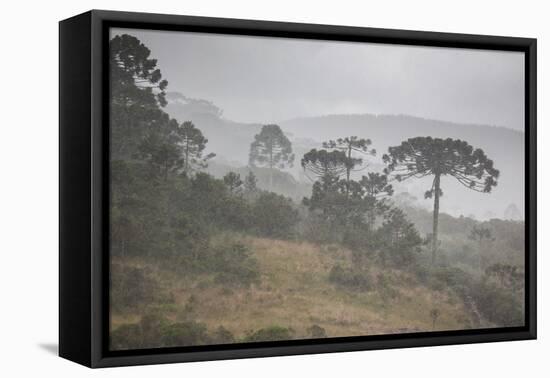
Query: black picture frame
[[84, 187]]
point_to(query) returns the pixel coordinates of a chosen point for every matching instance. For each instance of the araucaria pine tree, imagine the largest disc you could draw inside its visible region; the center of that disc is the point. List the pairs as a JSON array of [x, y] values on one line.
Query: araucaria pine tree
[[355, 149], [426, 156], [271, 148]]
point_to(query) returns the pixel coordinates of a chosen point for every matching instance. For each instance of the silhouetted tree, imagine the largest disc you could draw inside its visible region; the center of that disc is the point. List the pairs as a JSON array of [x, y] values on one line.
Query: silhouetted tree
[[271, 148], [130, 63], [399, 239], [137, 93], [353, 148], [375, 187], [326, 166], [250, 183], [479, 234], [160, 148], [233, 182], [274, 215], [193, 144], [426, 156], [508, 276]]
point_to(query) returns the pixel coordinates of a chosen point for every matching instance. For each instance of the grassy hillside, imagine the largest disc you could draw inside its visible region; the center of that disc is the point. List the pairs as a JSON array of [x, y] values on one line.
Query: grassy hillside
[[294, 292]]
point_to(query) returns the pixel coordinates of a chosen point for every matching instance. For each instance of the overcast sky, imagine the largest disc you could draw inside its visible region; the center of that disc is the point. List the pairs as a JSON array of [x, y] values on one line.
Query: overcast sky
[[261, 79]]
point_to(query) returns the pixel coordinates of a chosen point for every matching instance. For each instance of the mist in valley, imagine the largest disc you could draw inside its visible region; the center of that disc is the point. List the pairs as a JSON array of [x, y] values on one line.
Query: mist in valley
[[504, 146], [267, 189], [319, 90]]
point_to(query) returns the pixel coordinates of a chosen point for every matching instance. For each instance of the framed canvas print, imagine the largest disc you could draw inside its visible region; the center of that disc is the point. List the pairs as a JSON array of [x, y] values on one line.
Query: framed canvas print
[[234, 188]]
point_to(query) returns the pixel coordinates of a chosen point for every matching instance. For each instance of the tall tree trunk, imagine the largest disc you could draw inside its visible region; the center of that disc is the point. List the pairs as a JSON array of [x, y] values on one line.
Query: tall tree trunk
[[271, 169], [480, 262], [436, 216], [187, 158], [348, 172]]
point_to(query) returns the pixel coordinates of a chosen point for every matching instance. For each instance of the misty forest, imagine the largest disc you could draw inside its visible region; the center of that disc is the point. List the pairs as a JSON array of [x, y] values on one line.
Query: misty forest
[[228, 232]]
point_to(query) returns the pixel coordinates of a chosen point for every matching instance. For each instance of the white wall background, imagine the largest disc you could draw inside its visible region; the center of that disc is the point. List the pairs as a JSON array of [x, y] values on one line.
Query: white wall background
[[29, 189]]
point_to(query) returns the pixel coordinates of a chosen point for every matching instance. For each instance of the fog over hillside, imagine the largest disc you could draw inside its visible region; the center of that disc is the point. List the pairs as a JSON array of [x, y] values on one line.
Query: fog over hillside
[[251, 199], [259, 79], [505, 146], [317, 90]]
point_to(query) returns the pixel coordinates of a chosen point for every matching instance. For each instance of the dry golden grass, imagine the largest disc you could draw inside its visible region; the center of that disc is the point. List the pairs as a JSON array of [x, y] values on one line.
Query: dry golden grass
[[295, 292]]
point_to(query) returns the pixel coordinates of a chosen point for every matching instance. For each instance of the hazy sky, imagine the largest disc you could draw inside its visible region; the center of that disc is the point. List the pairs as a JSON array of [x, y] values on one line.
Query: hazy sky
[[261, 79]]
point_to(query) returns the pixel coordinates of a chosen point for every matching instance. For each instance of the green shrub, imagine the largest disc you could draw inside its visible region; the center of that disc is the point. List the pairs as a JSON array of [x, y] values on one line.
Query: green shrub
[[399, 240], [155, 330], [185, 334], [442, 278], [349, 278], [274, 216], [151, 327], [273, 333], [360, 240], [191, 304], [385, 288], [498, 305], [316, 332], [235, 266], [132, 287], [222, 336], [127, 336]]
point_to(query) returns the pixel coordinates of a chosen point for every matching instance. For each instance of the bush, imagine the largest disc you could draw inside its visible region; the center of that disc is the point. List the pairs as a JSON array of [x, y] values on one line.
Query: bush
[[316, 332], [186, 237], [273, 333], [349, 278], [211, 200], [454, 278], [399, 241], [235, 266], [274, 216], [154, 331], [499, 305], [185, 334], [359, 239], [132, 287], [127, 336], [441, 278], [318, 230], [151, 327], [222, 336], [385, 288], [237, 214]]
